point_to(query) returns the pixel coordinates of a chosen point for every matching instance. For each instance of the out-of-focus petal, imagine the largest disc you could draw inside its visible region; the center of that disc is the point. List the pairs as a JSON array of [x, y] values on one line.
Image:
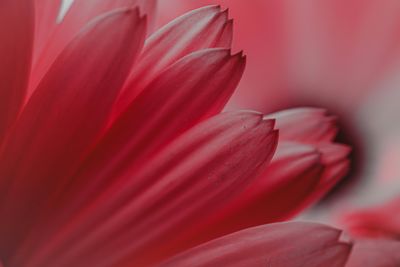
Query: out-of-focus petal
[[65, 116], [383, 220], [294, 244], [203, 28], [216, 160], [46, 14], [375, 253], [80, 13], [16, 42]]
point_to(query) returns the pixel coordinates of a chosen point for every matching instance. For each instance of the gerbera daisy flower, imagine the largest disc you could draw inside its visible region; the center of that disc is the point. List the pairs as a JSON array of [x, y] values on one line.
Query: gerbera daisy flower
[[114, 150]]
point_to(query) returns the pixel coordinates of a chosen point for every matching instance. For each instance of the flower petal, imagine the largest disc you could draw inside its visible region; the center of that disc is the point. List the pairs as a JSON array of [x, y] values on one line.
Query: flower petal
[[277, 194], [131, 142], [80, 14], [302, 171], [306, 125], [206, 27], [216, 159], [45, 23], [375, 253], [202, 82], [65, 116], [271, 245], [16, 42]]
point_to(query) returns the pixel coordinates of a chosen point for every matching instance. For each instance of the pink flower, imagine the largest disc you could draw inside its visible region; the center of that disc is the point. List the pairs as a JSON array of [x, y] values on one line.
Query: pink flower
[[114, 151]]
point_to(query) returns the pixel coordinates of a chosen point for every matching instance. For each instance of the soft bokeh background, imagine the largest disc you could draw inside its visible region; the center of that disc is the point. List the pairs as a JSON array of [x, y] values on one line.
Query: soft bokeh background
[[342, 55]]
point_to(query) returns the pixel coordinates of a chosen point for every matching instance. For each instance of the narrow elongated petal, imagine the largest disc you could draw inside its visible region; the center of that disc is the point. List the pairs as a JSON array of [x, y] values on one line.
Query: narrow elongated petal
[[80, 13], [172, 105], [16, 42], [294, 244], [217, 159], [206, 27], [65, 116], [375, 253], [132, 140]]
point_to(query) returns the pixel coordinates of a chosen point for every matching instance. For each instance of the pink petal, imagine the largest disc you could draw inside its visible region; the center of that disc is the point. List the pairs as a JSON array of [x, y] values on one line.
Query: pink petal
[[275, 195], [65, 116], [284, 244], [131, 142], [206, 27], [306, 125], [210, 77], [80, 14], [216, 159], [375, 253], [16, 41]]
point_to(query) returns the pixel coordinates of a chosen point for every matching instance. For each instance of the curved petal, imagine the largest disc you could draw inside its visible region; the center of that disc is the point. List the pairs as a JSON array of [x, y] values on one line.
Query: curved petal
[[216, 159], [131, 142], [16, 42], [270, 245], [275, 195], [375, 253], [202, 82], [78, 16], [65, 116], [203, 28]]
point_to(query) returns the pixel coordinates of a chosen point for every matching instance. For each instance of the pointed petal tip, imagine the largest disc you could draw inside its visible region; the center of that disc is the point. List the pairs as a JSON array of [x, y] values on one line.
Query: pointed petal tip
[[225, 12]]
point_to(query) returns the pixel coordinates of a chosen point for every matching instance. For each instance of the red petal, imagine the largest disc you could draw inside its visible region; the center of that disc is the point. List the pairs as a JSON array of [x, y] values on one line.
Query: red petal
[[45, 22], [285, 245], [275, 195], [16, 41], [202, 82], [375, 253], [65, 115], [206, 27], [133, 139], [189, 179], [80, 14]]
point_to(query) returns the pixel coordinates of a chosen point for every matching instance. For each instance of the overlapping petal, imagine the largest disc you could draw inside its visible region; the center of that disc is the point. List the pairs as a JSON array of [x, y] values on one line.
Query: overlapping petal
[[283, 244], [65, 116], [171, 105], [203, 28], [80, 13], [186, 182]]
